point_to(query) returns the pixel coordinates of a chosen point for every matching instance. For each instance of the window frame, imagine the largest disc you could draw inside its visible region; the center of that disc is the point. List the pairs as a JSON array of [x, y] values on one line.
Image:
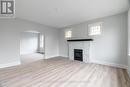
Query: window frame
[[90, 33], [68, 33], [41, 44]]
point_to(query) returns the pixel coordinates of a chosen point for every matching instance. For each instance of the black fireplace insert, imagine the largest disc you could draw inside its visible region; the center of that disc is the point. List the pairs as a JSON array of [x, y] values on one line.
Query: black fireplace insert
[[78, 54]]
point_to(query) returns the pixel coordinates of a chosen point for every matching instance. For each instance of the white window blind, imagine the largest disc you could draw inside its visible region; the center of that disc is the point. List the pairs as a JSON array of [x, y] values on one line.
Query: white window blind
[[68, 34], [41, 41], [95, 29]]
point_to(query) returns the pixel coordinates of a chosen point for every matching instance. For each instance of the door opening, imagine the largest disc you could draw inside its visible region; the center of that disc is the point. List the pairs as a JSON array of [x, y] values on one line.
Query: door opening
[[32, 46]]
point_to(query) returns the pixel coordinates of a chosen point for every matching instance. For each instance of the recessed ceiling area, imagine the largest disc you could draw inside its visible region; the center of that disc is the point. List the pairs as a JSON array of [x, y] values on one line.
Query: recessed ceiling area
[[61, 13]]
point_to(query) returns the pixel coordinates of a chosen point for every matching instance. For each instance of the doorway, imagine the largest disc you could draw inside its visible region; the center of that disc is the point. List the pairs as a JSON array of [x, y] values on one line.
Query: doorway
[[32, 46]]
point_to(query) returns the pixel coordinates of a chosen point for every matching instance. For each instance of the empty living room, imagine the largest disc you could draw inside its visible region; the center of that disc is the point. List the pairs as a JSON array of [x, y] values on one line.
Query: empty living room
[[64, 43]]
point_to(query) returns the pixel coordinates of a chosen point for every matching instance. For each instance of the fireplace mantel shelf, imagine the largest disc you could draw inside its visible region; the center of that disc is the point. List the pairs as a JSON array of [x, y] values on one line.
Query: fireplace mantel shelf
[[80, 40]]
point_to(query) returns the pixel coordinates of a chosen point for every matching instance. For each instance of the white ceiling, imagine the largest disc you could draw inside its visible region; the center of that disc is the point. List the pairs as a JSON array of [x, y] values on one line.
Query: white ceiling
[[61, 13]]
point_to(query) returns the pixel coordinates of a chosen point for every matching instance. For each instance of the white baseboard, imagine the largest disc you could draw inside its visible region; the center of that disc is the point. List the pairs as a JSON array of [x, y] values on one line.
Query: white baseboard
[[10, 64], [110, 64], [51, 57], [128, 72], [63, 56]]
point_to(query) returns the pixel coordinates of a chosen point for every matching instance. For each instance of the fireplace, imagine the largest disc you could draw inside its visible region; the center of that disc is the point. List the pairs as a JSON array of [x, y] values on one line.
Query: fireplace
[[80, 49], [78, 54]]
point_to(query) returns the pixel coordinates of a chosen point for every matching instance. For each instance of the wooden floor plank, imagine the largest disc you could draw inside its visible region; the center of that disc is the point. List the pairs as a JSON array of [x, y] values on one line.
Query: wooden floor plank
[[62, 72]]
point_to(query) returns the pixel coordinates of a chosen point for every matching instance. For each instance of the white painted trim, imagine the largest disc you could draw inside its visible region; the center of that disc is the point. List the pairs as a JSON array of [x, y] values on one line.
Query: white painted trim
[[64, 56], [51, 57], [128, 72], [10, 64], [110, 64]]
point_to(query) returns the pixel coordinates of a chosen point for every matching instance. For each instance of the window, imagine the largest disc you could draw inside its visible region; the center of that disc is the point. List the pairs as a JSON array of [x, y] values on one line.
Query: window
[[95, 29], [68, 34], [41, 41]]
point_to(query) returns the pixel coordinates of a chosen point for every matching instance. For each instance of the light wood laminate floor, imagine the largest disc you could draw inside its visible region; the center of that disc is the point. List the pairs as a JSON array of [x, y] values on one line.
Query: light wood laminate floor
[[61, 72], [29, 58]]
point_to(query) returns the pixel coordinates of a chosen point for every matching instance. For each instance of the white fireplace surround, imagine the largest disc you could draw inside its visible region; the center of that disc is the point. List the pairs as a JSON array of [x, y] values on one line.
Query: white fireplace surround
[[84, 45]]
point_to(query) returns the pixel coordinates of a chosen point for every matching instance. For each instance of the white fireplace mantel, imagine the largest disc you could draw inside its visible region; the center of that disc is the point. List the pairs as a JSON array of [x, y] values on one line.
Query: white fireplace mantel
[[84, 45]]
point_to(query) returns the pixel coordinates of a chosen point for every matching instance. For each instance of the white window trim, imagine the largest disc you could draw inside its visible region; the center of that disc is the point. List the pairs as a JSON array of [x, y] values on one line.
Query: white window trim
[[92, 25], [41, 41], [68, 33]]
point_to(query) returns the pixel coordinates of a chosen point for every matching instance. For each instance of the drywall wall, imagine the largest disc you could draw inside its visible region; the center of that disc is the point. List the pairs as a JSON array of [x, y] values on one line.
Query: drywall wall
[[110, 47], [9, 47], [28, 43], [10, 30], [129, 41]]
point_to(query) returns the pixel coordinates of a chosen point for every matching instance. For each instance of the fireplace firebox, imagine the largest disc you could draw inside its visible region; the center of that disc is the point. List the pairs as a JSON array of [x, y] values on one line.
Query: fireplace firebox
[[78, 54]]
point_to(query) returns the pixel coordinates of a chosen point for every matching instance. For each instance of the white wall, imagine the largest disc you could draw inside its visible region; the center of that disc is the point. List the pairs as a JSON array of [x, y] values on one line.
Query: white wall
[[10, 30], [28, 43], [129, 41], [9, 46], [110, 47]]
